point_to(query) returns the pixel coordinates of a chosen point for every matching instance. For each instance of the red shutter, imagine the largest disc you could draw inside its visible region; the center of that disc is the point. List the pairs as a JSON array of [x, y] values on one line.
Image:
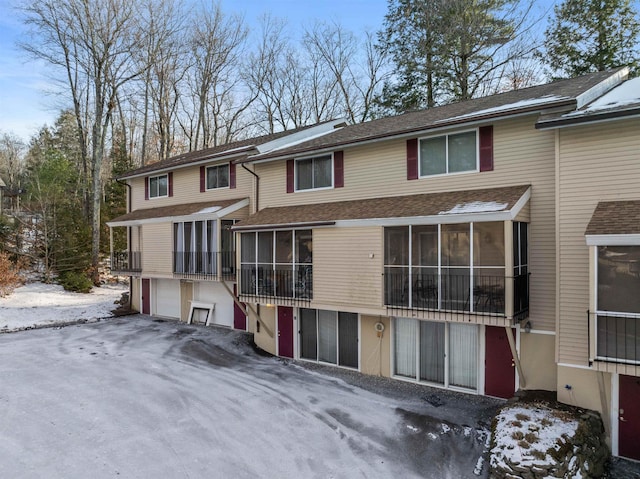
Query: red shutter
[[203, 184], [486, 148], [290, 177], [146, 187], [412, 159], [170, 181], [232, 175], [338, 169]]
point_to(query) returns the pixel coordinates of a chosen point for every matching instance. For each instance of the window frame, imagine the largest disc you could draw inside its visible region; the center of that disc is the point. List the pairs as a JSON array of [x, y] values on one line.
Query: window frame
[[446, 136], [296, 161], [157, 177], [206, 177]]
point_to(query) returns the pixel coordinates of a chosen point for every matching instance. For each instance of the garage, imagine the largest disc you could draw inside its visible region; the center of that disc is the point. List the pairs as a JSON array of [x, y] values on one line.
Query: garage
[[215, 293], [166, 298]]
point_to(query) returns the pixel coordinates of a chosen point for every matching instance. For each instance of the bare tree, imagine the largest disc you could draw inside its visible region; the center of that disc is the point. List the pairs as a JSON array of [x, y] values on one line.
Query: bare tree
[[12, 151], [92, 41], [355, 66]]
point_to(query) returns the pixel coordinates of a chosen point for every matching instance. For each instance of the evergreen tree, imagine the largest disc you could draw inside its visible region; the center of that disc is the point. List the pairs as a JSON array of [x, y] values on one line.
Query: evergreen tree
[[448, 50], [592, 35]]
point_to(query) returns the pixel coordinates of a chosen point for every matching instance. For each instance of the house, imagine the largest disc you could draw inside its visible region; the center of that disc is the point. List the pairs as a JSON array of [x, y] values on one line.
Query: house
[[598, 251], [179, 249], [459, 246]]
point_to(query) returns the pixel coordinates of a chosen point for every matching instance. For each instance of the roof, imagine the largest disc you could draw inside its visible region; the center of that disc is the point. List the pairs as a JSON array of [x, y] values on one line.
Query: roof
[[621, 101], [240, 148], [615, 218], [186, 209], [440, 205], [565, 94]]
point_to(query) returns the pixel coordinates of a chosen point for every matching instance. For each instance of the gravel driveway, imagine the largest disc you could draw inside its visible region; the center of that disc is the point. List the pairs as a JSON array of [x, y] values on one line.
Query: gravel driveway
[[142, 398]]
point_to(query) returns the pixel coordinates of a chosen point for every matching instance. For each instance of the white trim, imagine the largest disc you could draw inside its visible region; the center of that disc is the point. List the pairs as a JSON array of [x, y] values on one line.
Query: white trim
[[602, 87], [613, 240], [313, 158], [217, 188], [446, 137], [209, 307], [179, 219], [615, 412], [307, 134], [540, 331], [427, 220]]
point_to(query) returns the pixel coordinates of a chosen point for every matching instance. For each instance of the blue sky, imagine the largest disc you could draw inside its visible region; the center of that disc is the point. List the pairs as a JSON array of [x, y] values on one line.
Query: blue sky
[[25, 100]]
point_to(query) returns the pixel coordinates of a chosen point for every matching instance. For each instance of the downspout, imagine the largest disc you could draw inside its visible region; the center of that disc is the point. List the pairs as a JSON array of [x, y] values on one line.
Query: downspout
[[257, 185], [129, 239]]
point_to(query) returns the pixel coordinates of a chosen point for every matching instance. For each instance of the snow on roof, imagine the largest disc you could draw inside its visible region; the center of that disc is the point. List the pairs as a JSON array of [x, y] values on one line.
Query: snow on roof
[[475, 207], [543, 100], [211, 209], [624, 95]]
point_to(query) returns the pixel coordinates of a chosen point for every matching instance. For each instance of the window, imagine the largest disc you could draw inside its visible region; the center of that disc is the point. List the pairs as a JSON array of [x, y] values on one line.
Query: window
[[158, 186], [329, 337], [447, 154], [435, 352], [618, 303], [458, 267], [194, 246], [277, 264], [314, 173], [217, 176]]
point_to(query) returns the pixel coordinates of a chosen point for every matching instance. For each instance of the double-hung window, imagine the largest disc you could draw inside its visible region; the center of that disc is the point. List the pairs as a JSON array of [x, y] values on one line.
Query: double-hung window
[[452, 153], [618, 303], [158, 186], [218, 176], [314, 173]]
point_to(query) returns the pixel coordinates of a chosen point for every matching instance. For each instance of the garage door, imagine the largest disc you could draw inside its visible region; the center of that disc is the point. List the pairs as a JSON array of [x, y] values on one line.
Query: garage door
[[167, 298]]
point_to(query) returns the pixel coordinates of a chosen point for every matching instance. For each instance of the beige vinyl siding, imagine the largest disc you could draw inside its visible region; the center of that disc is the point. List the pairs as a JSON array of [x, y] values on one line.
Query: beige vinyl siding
[[343, 271], [597, 163], [157, 253], [522, 155], [186, 189]]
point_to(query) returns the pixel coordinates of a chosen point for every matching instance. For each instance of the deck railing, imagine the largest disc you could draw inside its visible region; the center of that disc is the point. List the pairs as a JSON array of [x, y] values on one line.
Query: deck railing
[[126, 261], [204, 264], [282, 285]]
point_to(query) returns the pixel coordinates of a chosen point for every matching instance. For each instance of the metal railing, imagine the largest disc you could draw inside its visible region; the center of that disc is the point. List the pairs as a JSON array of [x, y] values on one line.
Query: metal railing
[[126, 261], [617, 337], [454, 292], [204, 264], [284, 285]]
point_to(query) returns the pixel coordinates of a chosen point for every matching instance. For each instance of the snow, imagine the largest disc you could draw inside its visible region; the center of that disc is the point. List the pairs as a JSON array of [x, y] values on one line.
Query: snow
[[475, 207], [39, 304], [211, 209], [627, 93], [541, 427], [510, 107]]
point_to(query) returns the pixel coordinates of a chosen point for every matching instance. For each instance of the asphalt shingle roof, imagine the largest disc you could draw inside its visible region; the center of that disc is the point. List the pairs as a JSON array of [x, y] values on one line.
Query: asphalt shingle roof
[[496, 199], [554, 94], [173, 210], [615, 218]]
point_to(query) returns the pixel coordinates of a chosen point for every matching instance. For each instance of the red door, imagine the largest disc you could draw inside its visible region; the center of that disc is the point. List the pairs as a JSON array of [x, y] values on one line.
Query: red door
[[629, 417], [285, 331], [239, 318], [499, 368], [146, 296]]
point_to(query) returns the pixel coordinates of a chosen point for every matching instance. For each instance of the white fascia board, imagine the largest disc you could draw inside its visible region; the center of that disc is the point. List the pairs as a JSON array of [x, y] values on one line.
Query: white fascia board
[[178, 219], [613, 240], [601, 88], [224, 156], [517, 207], [300, 136], [427, 220]]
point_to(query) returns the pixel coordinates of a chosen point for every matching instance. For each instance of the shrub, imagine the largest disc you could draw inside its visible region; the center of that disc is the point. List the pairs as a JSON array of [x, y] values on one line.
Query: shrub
[[9, 274], [76, 282]]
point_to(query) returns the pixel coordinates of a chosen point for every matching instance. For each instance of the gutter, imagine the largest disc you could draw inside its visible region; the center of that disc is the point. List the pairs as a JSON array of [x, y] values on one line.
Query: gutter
[[582, 119], [257, 184]]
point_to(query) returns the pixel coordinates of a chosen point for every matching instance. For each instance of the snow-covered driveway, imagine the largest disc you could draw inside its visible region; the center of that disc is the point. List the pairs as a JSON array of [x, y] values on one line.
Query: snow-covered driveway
[[138, 398]]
